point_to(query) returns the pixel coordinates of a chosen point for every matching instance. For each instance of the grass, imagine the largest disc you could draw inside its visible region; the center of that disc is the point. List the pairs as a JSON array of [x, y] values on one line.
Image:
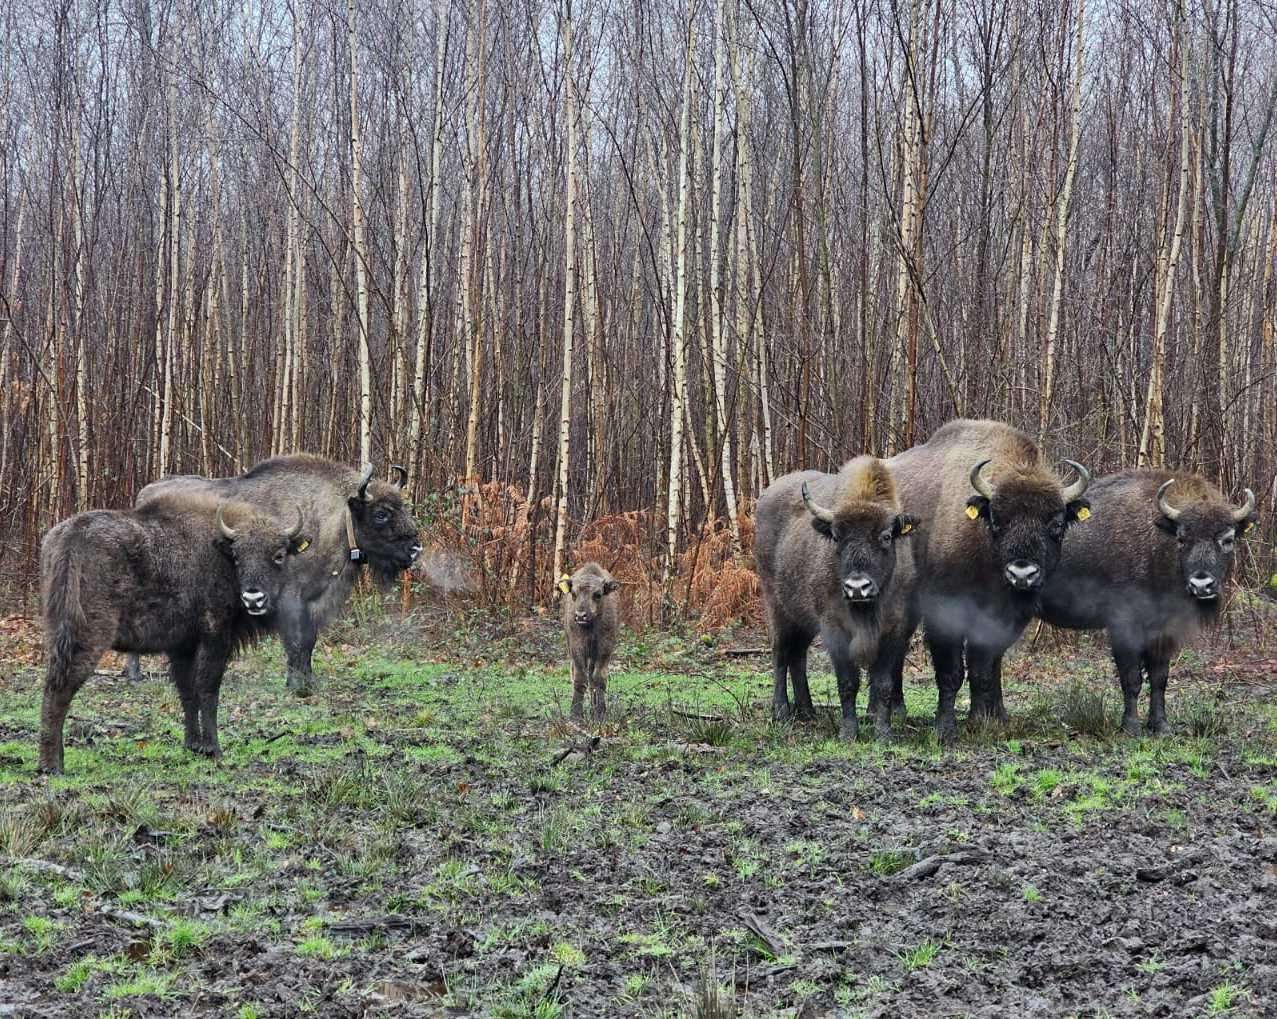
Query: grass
[[416, 803]]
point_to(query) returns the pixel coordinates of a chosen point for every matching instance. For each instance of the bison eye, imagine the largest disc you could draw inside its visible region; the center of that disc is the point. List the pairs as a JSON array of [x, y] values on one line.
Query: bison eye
[[1226, 542], [885, 539], [279, 558], [380, 517]]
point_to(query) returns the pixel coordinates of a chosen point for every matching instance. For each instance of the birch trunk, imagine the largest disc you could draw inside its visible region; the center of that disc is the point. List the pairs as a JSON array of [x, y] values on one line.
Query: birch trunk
[[361, 247]]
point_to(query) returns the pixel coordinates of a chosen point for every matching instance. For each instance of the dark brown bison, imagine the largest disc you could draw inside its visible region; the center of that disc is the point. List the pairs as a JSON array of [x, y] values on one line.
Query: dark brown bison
[[351, 521], [993, 517], [189, 576], [1152, 576], [591, 618], [831, 563]]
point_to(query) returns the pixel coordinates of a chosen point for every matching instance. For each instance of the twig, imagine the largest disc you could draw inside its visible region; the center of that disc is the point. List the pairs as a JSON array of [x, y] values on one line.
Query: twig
[[575, 748], [554, 986], [70, 873], [930, 864], [696, 716], [742, 652]]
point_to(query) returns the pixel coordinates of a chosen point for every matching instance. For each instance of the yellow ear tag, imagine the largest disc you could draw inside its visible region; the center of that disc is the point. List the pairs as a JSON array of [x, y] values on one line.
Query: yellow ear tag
[[906, 528], [1250, 526], [972, 512], [565, 584], [304, 544], [1084, 514]]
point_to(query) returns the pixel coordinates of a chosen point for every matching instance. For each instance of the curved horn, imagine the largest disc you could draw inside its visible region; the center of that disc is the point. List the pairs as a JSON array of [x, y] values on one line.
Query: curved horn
[[1075, 490], [818, 511], [227, 531], [1168, 511], [979, 482], [364, 478], [296, 529], [1247, 508], [402, 472]]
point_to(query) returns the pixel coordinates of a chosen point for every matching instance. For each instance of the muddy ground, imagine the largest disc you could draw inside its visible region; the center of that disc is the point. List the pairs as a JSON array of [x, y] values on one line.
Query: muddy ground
[[431, 837]]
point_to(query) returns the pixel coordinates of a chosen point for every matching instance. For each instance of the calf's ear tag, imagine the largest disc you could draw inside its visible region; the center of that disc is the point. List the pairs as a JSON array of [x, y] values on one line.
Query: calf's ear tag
[[303, 545], [565, 584], [906, 528], [1250, 526], [1084, 514], [972, 512]]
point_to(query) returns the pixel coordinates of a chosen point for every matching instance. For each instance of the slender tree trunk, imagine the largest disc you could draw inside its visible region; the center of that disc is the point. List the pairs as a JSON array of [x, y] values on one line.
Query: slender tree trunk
[[361, 246]]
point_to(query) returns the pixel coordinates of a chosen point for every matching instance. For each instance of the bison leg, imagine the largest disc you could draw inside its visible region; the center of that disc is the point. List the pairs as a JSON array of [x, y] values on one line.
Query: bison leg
[[803, 707], [598, 687], [67, 673], [182, 673], [946, 657], [580, 679], [132, 668], [984, 674], [210, 666], [883, 678], [1158, 671], [1127, 660], [298, 633], [781, 711], [848, 675]]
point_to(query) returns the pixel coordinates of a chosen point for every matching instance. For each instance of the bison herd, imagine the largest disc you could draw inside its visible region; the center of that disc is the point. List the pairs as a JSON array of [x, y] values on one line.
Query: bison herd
[[970, 535]]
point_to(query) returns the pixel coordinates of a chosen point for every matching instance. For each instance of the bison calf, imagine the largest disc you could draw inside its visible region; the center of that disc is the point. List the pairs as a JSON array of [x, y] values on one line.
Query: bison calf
[[188, 576], [1151, 576], [590, 621], [830, 562]]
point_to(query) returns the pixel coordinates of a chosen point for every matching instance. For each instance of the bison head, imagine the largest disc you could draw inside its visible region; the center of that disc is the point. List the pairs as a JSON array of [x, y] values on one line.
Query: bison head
[[1026, 515], [384, 527], [259, 547], [587, 590], [864, 536], [1205, 531]]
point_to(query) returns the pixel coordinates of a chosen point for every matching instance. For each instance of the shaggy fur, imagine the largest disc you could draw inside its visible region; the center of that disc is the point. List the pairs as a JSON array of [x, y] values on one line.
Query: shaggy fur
[[804, 564], [964, 594], [160, 578], [591, 618], [324, 575], [1130, 576]]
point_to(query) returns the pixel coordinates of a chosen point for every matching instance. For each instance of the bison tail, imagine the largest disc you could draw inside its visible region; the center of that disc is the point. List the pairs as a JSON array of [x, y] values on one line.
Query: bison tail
[[65, 617]]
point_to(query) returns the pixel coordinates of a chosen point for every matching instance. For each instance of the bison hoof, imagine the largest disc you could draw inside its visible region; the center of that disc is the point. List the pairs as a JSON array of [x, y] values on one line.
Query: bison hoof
[[302, 686], [781, 711], [1130, 725], [1158, 727], [947, 729], [205, 749]]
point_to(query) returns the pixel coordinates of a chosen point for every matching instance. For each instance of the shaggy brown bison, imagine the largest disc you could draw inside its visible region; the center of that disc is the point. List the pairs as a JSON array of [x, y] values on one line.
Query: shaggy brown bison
[[831, 563], [189, 576], [352, 521], [993, 517], [1151, 576], [591, 618]]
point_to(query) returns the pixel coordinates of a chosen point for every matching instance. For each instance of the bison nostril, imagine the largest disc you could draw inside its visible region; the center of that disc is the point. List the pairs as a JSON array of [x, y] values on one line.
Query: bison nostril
[[1023, 573], [859, 587]]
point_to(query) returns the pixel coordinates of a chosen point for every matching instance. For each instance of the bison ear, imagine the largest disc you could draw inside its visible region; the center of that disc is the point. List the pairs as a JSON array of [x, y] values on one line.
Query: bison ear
[[1165, 523], [565, 584], [357, 506], [904, 524], [1077, 511], [977, 507], [223, 545], [822, 527], [610, 585]]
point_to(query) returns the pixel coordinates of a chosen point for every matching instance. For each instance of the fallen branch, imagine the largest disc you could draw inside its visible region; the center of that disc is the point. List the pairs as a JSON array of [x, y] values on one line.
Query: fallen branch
[[927, 866], [588, 747], [77, 876], [743, 652], [759, 927], [696, 716], [356, 927]]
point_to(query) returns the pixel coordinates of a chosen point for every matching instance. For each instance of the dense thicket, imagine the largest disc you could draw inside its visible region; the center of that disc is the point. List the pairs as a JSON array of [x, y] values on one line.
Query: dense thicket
[[764, 234]]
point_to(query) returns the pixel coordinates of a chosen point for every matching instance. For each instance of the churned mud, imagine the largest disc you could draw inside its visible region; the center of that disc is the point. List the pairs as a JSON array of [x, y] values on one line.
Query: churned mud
[[434, 838]]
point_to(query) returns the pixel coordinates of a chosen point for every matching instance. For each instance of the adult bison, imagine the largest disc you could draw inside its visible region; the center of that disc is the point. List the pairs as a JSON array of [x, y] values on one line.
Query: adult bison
[[993, 517], [351, 521], [830, 561], [1151, 577], [187, 575]]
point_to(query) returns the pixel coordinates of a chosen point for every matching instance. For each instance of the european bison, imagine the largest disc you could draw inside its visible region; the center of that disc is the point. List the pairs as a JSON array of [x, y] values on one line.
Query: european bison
[[1151, 577], [993, 517], [590, 621], [352, 520], [189, 576], [830, 561]]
